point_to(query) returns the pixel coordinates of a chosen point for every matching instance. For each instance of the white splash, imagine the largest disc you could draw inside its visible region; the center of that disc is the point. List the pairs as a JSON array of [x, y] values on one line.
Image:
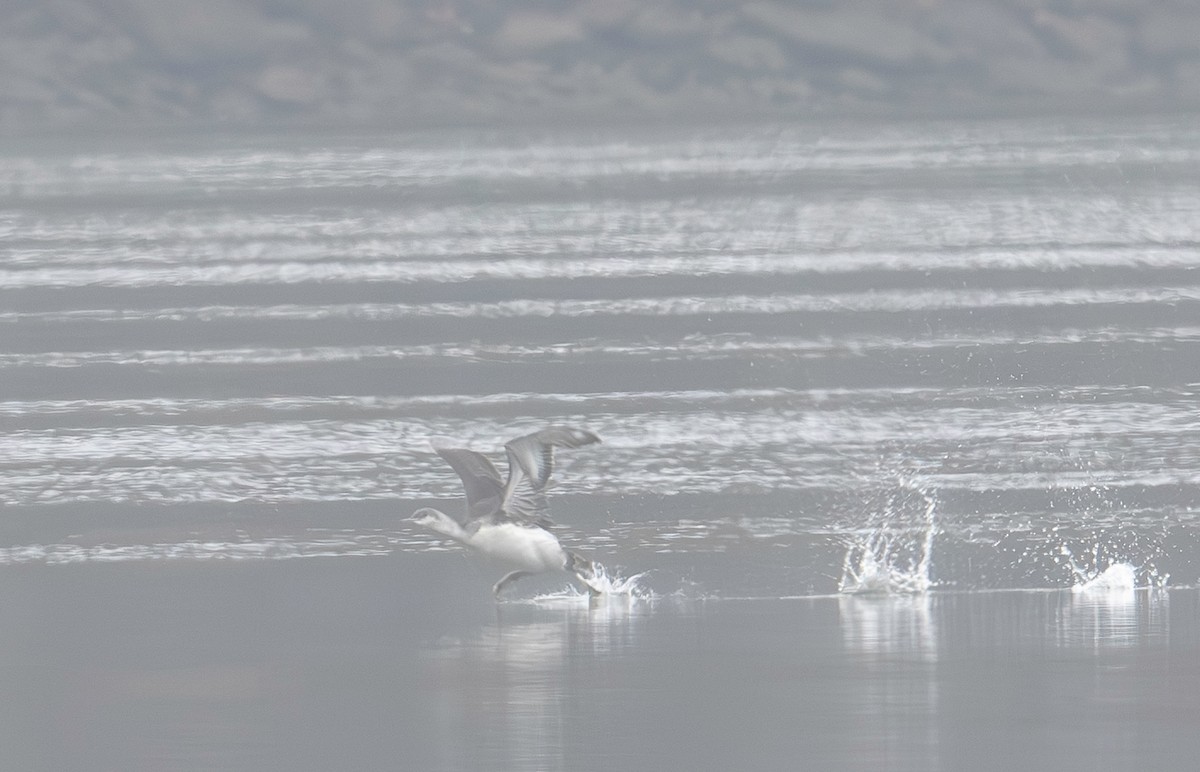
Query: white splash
[[1116, 576], [613, 588], [1119, 577], [616, 585], [891, 560]]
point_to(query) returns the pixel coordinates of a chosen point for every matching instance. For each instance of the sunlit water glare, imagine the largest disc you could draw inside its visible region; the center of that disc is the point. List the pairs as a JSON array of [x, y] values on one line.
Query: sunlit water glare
[[820, 360]]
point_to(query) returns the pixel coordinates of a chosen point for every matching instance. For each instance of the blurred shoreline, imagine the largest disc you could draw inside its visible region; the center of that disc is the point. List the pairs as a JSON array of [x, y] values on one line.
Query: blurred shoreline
[[378, 65]]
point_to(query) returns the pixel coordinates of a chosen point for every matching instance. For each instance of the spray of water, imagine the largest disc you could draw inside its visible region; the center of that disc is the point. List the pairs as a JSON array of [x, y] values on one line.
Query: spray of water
[[895, 554], [613, 588], [615, 585], [1104, 572]]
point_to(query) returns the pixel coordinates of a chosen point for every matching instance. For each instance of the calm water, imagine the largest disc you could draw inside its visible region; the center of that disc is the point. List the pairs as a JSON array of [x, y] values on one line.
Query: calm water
[[901, 449]]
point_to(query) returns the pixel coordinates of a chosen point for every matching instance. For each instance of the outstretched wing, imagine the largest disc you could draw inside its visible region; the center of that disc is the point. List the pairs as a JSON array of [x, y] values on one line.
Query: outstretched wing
[[530, 464], [480, 480]]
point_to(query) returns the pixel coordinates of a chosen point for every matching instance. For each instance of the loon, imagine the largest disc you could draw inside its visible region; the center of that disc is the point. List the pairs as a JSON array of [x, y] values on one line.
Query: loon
[[508, 521]]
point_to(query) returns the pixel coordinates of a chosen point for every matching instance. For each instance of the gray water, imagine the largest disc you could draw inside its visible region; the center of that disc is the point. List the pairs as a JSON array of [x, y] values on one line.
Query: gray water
[[900, 453]]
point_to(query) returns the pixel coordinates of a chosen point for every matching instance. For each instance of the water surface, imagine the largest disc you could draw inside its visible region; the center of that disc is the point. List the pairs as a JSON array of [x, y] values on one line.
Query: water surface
[[874, 400]]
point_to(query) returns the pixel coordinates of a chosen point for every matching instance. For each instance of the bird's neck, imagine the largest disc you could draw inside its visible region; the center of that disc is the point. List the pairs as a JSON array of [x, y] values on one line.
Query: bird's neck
[[448, 526]]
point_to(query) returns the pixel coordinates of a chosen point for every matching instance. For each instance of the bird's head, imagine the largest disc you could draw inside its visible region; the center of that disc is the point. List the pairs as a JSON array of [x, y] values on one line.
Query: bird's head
[[438, 521], [428, 517], [580, 437]]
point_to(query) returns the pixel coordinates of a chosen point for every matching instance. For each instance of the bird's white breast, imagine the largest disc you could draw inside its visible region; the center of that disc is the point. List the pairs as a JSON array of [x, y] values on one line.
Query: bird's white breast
[[530, 549]]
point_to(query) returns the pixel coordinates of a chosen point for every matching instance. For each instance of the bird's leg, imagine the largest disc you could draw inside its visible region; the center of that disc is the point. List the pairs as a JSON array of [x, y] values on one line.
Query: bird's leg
[[585, 571], [507, 580], [593, 591]]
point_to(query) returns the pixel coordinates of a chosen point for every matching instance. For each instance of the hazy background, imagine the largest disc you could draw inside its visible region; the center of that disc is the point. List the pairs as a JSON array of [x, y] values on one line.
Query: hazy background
[[825, 356], [386, 63]]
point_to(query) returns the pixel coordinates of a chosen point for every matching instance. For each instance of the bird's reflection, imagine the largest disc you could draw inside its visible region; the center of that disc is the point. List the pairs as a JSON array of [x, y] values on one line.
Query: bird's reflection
[[506, 693]]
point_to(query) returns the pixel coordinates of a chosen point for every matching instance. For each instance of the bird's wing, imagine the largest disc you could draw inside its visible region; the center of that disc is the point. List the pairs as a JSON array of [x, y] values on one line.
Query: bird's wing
[[480, 480], [530, 464]]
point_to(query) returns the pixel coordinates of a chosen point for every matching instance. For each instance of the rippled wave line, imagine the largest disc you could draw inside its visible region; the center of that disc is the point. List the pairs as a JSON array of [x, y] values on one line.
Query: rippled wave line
[[291, 484], [691, 262], [169, 407], [591, 401], [281, 548], [692, 348], [566, 157], [855, 302], [651, 432]]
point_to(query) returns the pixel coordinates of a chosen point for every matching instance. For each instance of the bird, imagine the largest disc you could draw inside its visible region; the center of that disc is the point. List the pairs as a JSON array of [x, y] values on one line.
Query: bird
[[508, 520]]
